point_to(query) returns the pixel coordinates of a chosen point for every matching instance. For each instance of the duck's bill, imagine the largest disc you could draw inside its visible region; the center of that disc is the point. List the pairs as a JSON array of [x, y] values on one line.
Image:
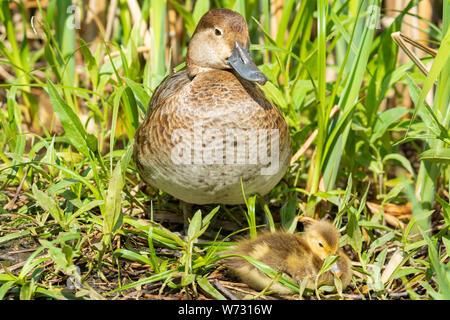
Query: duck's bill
[[336, 270], [242, 62]]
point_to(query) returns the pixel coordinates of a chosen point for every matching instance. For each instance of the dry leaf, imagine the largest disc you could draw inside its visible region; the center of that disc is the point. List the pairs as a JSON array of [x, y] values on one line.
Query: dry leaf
[[400, 211], [394, 262]]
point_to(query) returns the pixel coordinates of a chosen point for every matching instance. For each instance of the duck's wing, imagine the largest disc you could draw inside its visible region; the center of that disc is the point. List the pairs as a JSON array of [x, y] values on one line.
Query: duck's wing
[[168, 87]]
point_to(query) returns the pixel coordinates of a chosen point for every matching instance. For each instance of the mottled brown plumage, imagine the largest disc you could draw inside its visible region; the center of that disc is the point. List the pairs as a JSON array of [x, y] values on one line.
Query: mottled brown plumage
[[209, 100], [297, 256]]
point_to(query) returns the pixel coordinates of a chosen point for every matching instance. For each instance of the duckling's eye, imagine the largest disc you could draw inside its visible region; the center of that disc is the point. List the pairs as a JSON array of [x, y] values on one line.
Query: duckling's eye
[[218, 32], [320, 244]]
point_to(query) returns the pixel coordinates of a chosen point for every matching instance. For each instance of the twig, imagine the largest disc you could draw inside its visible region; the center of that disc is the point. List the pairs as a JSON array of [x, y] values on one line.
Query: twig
[[111, 13], [24, 250], [353, 296], [398, 295], [21, 264], [6, 257], [224, 290], [230, 284], [7, 76], [253, 293], [401, 39]]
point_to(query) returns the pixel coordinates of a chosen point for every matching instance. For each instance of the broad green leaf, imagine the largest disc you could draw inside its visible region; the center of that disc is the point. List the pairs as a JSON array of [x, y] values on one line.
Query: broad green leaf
[[439, 62], [402, 272], [86, 207], [48, 204], [380, 242], [14, 235], [385, 119], [239, 6], [154, 278], [113, 202], [395, 191], [445, 209], [348, 192], [91, 63], [130, 112], [335, 142], [374, 281], [71, 123], [8, 276], [187, 279], [354, 232], [328, 263], [27, 290], [160, 234], [273, 93], [30, 265], [205, 285], [441, 269], [269, 216], [251, 215], [141, 95], [195, 225], [58, 256], [426, 113], [288, 212], [269, 271], [132, 56], [133, 256], [404, 162], [158, 21], [200, 8], [210, 215], [5, 287], [441, 155], [61, 186], [33, 260]]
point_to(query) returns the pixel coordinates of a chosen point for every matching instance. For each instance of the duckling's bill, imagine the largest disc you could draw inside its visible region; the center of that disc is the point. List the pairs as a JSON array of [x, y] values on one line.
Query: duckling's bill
[[336, 270], [242, 62]]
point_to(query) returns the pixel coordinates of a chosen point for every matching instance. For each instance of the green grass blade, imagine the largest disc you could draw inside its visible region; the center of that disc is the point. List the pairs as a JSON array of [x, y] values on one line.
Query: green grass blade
[[205, 285], [113, 203], [74, 130]]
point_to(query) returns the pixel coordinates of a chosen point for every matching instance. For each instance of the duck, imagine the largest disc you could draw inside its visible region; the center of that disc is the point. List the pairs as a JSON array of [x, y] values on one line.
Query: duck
[[298, 256], [209, 127]]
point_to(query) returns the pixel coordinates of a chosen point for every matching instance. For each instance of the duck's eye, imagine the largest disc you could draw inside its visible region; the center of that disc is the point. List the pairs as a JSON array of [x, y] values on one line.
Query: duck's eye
[[218, 32], [320, 244]]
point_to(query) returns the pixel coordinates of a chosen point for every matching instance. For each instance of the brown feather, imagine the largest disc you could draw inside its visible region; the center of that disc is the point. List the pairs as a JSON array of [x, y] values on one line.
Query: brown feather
[[184, 146]]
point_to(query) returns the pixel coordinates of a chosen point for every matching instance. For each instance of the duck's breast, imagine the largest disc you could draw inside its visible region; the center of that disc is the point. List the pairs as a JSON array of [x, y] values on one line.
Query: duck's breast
[[206, 134]]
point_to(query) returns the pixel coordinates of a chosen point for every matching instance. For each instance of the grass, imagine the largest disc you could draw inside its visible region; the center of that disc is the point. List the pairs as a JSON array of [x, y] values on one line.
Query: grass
[[76, 222]]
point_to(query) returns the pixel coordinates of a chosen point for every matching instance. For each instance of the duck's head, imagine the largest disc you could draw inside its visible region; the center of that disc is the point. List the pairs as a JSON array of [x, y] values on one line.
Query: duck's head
[[322, 238], [221, 41]]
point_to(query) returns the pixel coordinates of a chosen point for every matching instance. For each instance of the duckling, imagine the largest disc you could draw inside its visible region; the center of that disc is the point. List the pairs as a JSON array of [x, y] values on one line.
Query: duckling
[[209, 126], [298, 256]]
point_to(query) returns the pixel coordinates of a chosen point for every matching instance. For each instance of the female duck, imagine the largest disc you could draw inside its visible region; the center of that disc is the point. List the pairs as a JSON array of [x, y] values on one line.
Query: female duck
[[209, 126]]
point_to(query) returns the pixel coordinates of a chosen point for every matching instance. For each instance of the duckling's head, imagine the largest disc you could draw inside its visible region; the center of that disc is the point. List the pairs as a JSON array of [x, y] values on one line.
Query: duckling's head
[[221, 41], [322, 238]]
